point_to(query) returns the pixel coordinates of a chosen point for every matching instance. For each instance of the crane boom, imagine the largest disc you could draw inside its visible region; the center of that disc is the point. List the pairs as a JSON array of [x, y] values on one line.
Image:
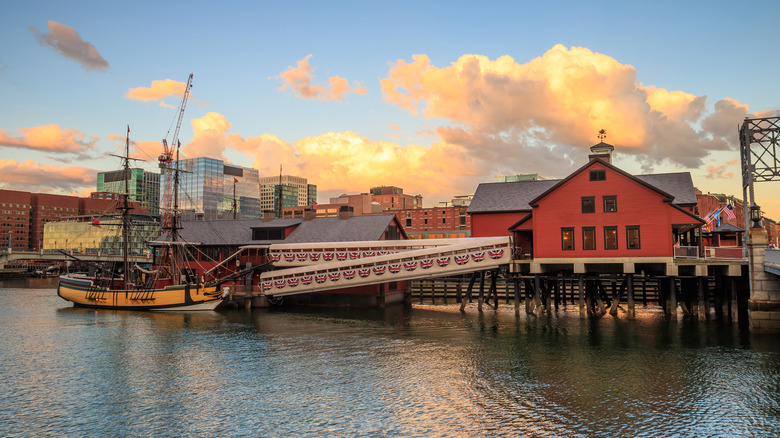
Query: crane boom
[[166, 160]]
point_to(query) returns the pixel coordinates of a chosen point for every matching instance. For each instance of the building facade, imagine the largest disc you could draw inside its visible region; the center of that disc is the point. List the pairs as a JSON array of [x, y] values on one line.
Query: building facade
[[209, 189], [296, 192], [142, 185], [82, 235], [25, 215], [393, 198]]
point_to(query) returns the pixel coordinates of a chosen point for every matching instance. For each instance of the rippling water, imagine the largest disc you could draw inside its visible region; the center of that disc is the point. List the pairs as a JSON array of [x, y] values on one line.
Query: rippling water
[[398, 372]]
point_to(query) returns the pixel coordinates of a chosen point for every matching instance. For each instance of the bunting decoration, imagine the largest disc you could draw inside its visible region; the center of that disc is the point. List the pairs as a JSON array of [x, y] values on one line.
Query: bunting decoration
[[394, 268], [306, 280], [410, 266], [334, 276], [279, 283], [427, 263], [364, 272], [315, 256], [275, 256], [378, 270], [349, 275], [496, 254], [289, 257], [478, 256], [267, 285], [320, 278], [341, 256], [292, 282], [328, 256], [443, 261], [302, 257], [462, 259]]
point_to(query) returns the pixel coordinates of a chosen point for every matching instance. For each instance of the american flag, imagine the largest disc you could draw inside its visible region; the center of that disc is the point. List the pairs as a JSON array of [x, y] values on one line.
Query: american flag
[[730, 212]]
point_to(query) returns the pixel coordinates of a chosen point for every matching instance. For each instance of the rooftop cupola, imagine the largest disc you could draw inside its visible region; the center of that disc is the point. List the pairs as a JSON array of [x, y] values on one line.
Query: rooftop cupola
[[601, 150]]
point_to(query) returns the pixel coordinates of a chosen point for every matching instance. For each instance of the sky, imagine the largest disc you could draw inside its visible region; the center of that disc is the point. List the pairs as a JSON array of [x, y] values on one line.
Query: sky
[[433, 97]]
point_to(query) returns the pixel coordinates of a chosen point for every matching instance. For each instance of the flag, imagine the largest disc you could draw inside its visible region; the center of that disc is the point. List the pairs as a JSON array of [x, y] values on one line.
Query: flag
[[95, 222], [235, 180], [730, 212], [717, 217], [313, 203]]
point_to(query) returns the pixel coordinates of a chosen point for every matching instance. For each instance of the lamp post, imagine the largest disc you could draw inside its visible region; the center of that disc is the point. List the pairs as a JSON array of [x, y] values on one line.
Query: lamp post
[[755, 216]]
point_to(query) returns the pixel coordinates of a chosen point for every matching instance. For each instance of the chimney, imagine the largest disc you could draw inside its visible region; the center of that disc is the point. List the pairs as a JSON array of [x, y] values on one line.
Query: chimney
[[309, 214], [346, 211], [602, 151], [268, 216]]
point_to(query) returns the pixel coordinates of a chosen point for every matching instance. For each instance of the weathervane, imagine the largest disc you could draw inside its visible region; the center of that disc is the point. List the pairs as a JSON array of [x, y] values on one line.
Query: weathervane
[[602, 135]]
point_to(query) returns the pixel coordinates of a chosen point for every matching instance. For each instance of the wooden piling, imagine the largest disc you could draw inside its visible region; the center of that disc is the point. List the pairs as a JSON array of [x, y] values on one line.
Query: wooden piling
[[516, 287], [529, 302], [702, 298], [481, 290], [581, 291], [672, 300], [631, 310]]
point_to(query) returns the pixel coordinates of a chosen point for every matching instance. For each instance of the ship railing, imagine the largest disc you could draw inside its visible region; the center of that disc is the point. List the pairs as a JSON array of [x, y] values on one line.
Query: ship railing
[[725, 252], [686, 252]]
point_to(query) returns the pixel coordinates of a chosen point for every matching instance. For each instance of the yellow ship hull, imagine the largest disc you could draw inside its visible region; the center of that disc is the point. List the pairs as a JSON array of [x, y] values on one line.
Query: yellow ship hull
[[83, 293]]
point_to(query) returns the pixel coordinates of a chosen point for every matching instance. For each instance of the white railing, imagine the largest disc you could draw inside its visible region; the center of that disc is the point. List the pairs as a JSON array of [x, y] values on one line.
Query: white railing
[[686, 252], [725, 252]]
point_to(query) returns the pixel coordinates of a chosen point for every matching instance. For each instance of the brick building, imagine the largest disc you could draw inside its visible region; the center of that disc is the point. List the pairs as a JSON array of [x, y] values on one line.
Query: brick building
[[25, 214]]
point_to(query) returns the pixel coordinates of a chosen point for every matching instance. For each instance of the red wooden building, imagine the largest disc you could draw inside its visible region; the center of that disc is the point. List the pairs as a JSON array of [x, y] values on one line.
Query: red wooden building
[[599, 211]]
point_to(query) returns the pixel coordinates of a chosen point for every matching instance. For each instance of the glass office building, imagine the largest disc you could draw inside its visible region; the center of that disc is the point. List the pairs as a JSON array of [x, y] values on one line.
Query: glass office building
[[206, 190], [82, 237], [142, 185]]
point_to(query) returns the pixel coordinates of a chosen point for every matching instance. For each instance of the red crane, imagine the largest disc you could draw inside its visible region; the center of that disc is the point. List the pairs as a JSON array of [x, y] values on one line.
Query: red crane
[[166, 162]]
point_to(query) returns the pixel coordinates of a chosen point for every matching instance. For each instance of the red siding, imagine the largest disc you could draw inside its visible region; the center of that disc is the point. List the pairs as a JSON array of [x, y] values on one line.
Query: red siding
[[494, 224], [636, 205]]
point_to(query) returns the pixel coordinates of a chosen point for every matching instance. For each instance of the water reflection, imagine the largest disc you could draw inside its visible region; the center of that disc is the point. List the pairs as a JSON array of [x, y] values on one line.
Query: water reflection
[[393, 372]]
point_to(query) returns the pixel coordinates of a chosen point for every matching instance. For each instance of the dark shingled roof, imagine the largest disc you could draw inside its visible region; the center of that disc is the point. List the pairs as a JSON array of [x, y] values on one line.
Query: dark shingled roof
[[232, 233], [679, 185], [325, 229], [728, 228], [508, 196], [515, 196], [334, 229]]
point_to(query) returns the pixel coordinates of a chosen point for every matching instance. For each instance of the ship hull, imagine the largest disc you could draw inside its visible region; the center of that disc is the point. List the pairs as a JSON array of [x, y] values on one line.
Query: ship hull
[[82, 293]]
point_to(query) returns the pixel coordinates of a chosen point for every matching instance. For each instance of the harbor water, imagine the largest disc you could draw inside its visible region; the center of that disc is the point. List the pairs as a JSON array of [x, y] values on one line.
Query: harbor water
[[422, 371]]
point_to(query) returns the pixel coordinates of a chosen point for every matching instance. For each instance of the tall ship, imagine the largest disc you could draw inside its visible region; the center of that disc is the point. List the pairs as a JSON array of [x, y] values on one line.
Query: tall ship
[[166, 286]]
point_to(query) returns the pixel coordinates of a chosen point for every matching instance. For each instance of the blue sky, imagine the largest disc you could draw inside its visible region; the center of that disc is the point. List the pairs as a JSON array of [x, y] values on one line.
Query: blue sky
[[263, 92]]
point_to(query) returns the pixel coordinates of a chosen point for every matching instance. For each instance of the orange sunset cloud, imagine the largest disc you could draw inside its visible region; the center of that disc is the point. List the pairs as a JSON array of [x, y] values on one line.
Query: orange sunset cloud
[[159, 90], [299, 80], [342, 161], [49, 138], [555, 104], [26, 176]]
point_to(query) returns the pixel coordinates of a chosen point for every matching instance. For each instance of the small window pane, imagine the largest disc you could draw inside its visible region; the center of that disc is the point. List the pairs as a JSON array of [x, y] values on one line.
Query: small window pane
[[610, 204], [598, 175], [632, 237], [567, 239], [589, 238], [588, 204], [610, 238]]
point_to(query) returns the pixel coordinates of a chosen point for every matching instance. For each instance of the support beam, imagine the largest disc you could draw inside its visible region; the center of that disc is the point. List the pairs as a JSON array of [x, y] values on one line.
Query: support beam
[[581, 291], [631, 310]]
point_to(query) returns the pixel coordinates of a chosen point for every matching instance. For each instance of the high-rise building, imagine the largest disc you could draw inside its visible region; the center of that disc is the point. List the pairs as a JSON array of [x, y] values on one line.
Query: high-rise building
[[142, 185], [209, 189], [304, 193]]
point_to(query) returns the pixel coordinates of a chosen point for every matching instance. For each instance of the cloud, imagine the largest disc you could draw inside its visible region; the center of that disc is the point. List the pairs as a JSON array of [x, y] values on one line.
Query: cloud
[[718, 172], [339, 162], [548, 111], [49, 138], [299, 80], [26, 176], [158, 91], [68, 42]]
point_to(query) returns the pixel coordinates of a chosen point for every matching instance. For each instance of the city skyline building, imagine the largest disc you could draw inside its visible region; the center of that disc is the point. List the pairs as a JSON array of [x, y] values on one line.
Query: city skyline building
[[206, 190], [143, 186], [296, 192]]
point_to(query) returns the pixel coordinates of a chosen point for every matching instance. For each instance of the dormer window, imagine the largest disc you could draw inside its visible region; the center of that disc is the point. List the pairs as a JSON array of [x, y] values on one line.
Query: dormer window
[[598, 175]]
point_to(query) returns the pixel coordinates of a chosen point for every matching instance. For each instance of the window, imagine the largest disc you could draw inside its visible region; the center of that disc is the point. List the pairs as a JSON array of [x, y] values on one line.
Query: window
[[632, 237], [567, 239], [610, 204], [598, 175], [588, 204], [408, 222], [588, 237], [610, 238]]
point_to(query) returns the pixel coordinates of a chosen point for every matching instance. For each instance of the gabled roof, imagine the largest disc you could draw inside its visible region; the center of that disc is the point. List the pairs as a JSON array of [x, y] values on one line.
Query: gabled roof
[[608, 166], [325, 229], [678, 184], [227, 232], [335, 229], [728, 228], [518, 196], [511, 196]]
